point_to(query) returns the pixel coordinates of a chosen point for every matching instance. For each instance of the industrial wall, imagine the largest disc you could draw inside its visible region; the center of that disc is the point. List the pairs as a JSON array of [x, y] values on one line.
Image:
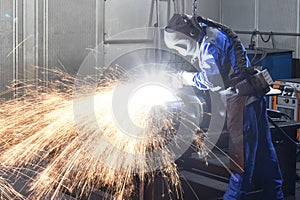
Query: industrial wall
[[7, 42], [265, 16], [38, 36]]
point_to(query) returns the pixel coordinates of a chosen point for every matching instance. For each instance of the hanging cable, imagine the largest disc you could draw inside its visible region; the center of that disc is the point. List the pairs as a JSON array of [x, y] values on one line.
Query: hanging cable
[[272, 38], [267, 40], [194, 8], [176, 6], [241, 62], [263, 56]]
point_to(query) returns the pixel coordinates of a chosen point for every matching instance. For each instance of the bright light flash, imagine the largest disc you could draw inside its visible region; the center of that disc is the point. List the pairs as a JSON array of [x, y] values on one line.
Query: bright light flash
[[147, 96], [152, 95]]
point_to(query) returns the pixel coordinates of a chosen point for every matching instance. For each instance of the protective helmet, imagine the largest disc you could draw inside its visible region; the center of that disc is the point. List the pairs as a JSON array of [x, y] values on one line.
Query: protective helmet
[[182, 34], [184, 24]]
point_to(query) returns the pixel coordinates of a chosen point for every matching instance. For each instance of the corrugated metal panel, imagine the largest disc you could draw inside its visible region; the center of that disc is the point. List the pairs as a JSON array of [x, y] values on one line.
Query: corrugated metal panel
[[118, 19], [137, 23], [29, 37], [71, 33], [6, 38], [142, 13], [298, 30], [209, 9], [20, 40], [279, 16], [239, 15], [122, 24], [265, 15]]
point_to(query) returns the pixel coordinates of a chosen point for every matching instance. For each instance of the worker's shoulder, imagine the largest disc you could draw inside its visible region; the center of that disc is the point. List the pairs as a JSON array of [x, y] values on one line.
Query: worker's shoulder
[[212, 32], [215, 35]]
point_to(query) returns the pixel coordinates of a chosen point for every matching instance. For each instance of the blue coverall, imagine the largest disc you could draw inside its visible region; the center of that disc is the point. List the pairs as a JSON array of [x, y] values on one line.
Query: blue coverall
[[216, 56]]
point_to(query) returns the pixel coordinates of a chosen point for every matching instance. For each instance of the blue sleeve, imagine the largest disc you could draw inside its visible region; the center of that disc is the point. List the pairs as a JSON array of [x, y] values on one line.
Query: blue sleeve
[[208, 62], [232, 57], [216, 59]]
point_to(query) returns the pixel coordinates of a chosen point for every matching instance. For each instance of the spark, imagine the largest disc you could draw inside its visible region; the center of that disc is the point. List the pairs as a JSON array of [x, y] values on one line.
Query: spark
[[7, 15], [22, 42], [77, 155], [6, 189]]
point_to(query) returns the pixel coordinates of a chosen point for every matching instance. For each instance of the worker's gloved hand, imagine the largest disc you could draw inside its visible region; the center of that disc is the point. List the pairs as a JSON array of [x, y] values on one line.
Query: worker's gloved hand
[[224, 94], [182, 78], [188, 78], [228, 92]]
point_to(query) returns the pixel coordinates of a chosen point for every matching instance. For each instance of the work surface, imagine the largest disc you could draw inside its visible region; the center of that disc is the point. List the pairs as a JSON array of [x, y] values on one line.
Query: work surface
[[208, 182], [215, 175]]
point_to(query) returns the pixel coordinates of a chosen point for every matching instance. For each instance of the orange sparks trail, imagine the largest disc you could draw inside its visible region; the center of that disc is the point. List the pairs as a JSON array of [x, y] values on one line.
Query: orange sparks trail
[[76, 155], [7, 191]]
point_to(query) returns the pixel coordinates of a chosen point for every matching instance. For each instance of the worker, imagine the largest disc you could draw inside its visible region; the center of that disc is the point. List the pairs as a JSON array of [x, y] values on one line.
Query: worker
[[250, 143]]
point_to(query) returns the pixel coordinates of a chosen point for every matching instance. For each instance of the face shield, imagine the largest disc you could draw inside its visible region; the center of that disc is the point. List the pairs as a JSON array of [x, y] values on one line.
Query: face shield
[[182, 34], [185, 45]]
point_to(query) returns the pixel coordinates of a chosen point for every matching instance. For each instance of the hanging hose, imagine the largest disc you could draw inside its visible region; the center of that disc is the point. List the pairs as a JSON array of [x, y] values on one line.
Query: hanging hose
[[241, 61], [248, 81], [194, 8], [254, 83]]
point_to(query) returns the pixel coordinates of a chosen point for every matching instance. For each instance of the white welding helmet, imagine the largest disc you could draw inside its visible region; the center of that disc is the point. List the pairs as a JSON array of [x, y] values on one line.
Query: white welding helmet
[[182, 34], [185, 45]]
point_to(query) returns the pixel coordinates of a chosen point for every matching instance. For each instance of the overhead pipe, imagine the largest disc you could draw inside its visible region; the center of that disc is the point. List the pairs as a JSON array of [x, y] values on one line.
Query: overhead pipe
[[267, 33]]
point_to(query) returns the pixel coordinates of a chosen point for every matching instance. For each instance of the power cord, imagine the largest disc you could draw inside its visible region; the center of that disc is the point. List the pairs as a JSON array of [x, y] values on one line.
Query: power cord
[[297, 144], [256, 32]]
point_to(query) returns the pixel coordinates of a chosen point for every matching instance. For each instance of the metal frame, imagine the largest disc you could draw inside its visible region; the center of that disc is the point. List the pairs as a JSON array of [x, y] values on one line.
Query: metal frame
[[146, 40]]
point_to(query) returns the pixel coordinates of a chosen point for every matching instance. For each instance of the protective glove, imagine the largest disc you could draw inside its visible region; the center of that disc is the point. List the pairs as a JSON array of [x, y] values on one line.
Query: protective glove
[[187, 78], [223, 95], [182, 78], [256, 84], [176, 80], [228, 92]]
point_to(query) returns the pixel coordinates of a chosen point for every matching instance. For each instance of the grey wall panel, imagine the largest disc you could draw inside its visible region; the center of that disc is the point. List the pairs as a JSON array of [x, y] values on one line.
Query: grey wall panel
[[71, 33], [131, 14], [126, 15], [280, 42], [239, 15], [209, 9], [265, 15], [276, 16], [6, 38], [30, 34], [135, 23], [298, 31]]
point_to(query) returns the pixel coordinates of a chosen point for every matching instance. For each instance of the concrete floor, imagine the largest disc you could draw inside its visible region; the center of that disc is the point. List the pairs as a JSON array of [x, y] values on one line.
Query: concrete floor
[[210, 191], [297, 195], [19, 186]]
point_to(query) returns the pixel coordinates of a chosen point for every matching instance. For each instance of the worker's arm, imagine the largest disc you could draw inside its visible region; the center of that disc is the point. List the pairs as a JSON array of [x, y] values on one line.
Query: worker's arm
[[210, 74], [213, 55]]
